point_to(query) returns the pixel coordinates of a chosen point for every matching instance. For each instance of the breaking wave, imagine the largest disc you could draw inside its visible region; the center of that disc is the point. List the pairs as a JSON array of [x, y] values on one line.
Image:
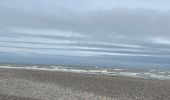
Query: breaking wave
[[146, 74]]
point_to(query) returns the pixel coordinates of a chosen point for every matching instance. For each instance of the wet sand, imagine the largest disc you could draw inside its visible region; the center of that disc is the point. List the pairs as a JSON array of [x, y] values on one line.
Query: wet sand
[[20, 84]]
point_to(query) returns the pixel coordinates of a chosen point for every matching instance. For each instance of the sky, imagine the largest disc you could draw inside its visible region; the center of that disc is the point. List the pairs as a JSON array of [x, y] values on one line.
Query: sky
[[85, 32]]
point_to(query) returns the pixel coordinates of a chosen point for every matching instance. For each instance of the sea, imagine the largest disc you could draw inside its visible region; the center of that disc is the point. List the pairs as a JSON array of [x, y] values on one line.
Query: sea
[[139, 72]]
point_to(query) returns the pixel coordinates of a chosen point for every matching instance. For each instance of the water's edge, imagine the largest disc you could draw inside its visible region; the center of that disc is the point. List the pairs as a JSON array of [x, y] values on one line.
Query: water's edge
[[137, 73]]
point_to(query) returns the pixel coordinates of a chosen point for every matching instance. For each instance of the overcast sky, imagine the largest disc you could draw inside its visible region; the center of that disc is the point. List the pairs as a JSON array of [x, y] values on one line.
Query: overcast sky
[[92, 32]]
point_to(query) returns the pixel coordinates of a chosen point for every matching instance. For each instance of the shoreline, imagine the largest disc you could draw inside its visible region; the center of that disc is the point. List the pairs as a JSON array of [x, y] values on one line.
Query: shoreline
[[101, 86], [116, 72]]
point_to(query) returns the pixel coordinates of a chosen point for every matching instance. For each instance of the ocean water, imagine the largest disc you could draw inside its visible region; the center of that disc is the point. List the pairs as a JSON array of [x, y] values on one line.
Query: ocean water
[[146, 73]]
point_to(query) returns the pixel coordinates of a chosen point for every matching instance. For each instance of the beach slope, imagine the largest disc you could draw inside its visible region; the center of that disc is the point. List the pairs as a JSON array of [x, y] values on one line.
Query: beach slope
[[24, 84]]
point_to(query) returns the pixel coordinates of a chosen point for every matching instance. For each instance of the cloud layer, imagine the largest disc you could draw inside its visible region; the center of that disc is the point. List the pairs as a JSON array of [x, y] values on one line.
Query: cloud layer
[[131, 35]]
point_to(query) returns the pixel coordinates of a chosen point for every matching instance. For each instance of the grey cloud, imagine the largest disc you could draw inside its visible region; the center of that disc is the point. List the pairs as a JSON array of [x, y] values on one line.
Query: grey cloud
[[74, 47], [118, 29], [117, 22], [113, 25]]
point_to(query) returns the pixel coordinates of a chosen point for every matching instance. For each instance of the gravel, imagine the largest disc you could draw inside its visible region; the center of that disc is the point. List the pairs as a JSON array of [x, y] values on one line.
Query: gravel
[[20, 84]]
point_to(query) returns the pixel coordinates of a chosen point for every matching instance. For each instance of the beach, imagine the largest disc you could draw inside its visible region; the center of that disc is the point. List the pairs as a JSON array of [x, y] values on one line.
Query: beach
[[29, 84]]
